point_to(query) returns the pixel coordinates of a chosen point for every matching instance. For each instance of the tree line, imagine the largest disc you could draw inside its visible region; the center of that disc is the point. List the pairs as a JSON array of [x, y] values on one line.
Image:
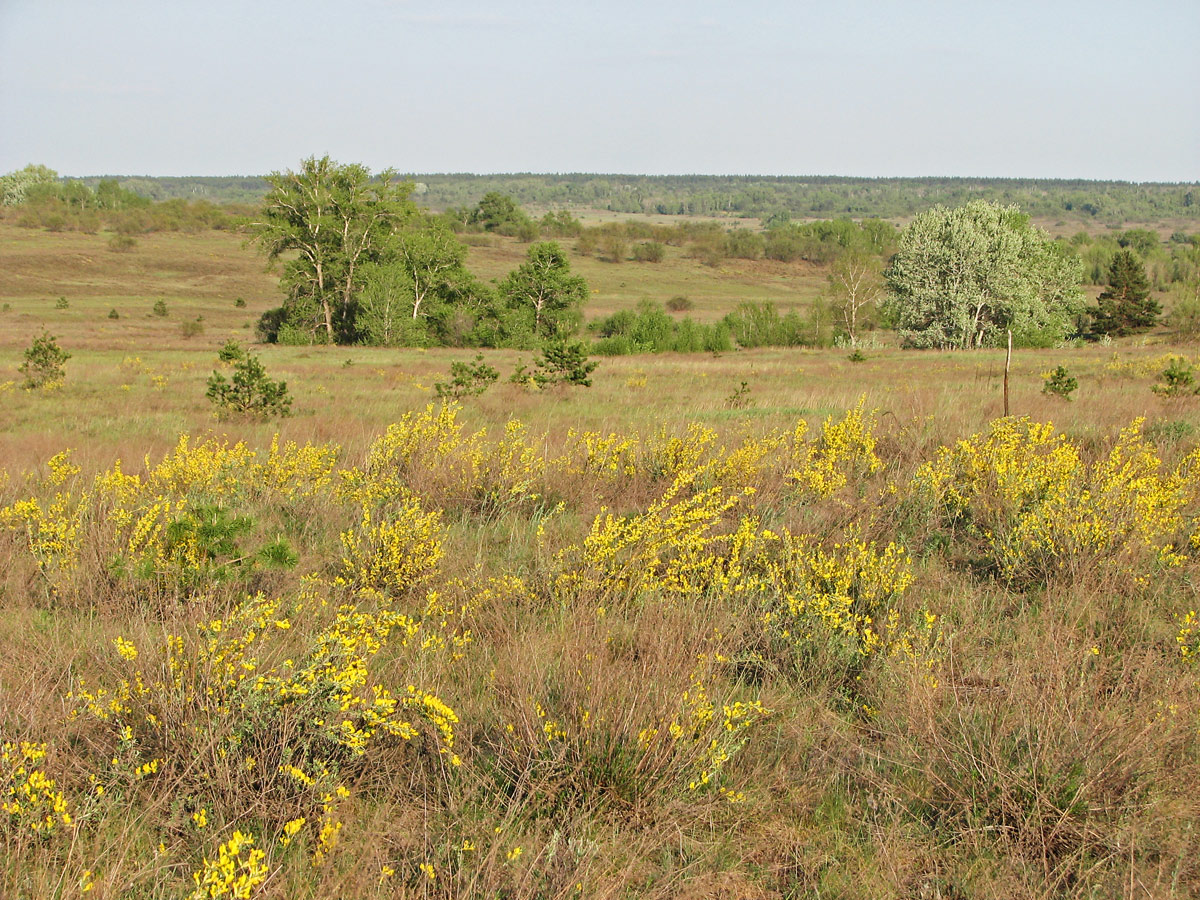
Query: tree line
[[756, 196]]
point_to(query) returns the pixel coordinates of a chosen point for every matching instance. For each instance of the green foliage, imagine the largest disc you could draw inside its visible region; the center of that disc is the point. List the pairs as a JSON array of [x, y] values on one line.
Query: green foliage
[[563, 363], [543, 294], [679, 303], [739, 398], [44, 361], [649, 251], [1185, 316], [648, 329], [15, 186], [500, 213], [61, 303], [1141, 240], [962, 277], [741, 243], [1176, 379], [191, 328], [855, 289], [113, 314], [761, 325], [122, 243], [857, 356], [1060, 383], [250, 392], [467, 380], [160, 308], [1125, 306], [231, 351], [240, 303], [328, 222], [422, 295], [560, 224]]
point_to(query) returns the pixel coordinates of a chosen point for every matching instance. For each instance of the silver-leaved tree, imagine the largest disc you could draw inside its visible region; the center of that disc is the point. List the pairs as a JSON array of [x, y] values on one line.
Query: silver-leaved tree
[[962, 277]]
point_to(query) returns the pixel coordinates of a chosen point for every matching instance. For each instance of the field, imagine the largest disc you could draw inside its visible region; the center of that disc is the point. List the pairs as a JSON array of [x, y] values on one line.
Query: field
[[762, 624]]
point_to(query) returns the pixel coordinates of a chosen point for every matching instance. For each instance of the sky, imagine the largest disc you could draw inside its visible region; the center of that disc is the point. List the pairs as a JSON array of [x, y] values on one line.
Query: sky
[[1042, 89]]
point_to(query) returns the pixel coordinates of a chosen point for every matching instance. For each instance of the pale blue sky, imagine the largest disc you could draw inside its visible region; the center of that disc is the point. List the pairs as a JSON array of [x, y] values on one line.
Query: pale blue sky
[[839, 87]]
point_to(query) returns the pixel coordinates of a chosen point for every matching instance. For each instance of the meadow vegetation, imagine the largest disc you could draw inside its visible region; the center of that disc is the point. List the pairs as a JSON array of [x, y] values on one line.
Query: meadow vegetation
[[767, 622]]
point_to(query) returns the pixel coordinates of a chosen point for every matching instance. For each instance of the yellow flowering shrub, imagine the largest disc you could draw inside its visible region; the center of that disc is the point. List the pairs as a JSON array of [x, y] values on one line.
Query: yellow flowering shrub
[[428, 453], [671, 548], [607, 457], [844, 447], [394, 552], [238, 869], [210, 707], [30, 801], [171, 529], [1025, 494]]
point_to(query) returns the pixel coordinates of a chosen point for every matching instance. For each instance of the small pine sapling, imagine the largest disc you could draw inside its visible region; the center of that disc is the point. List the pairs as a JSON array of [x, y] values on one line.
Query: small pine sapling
[[1060, 383], [249, 392], [44, 361], [467, 380]]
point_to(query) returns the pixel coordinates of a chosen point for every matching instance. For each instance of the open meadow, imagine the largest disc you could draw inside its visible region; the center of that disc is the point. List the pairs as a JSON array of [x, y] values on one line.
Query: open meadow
[[765, 623]]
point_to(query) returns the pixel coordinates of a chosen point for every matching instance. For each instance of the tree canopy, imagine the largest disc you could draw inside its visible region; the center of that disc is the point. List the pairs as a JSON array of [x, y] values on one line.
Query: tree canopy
[[961, 277], [543, 292], [337, 220]]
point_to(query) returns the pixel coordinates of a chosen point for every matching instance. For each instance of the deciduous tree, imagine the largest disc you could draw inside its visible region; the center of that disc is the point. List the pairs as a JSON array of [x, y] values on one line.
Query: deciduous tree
[[961, 277], [544, 291], [335, 219]]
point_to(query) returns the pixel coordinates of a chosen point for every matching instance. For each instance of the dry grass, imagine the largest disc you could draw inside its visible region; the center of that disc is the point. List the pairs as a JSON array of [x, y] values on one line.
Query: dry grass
[[1056, 755]]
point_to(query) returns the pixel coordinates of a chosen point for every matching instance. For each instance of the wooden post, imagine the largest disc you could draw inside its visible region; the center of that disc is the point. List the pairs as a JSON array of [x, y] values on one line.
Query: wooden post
[[1007, 363]]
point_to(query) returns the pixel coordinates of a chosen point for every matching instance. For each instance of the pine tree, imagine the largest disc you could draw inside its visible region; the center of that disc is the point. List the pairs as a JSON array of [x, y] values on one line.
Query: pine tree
[[1125, 306]]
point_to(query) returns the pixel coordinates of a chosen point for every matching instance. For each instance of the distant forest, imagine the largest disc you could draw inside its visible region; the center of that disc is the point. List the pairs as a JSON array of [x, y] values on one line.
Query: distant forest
[[772, 198]]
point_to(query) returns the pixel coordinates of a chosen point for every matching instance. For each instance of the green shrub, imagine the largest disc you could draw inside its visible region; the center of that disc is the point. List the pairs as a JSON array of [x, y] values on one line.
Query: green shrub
[[44, 361], [249, 392], [231, 352], [61, 303], [113, 314], [191, 328], [122, 243], [160, 308], [649, 251], [1177, 378], [467, 380], [1060, 383], [679, 303], [563, 363], [240, 303]]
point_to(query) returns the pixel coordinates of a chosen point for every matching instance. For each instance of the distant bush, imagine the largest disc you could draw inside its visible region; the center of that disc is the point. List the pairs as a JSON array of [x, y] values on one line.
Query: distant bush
[[761, 325], [122, 243], [160, 308], [565, 363], [679, 303], [649, 251], [191, 328], [744, 244], [231, 352], [1176, 379], [240, 303], [649, 329], [61, 303], [113, 314]]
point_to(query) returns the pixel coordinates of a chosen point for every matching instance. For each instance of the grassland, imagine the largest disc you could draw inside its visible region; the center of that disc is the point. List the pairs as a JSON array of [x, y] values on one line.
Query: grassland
[[818, 659]]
